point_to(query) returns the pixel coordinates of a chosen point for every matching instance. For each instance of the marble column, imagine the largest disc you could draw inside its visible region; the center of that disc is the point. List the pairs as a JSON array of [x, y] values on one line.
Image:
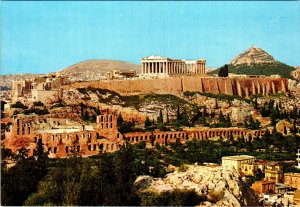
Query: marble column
[[152, 67], [173, 67], [147, 68], [180, 68], [201, 68], [158, 67]]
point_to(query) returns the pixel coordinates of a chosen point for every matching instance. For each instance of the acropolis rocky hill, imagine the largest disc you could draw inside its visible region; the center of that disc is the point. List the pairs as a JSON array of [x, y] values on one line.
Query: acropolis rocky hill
[[243, 87]]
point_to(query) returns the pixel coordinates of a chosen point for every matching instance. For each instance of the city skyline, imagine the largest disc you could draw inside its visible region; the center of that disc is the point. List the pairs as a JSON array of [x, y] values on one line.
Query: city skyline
[[42, 37]]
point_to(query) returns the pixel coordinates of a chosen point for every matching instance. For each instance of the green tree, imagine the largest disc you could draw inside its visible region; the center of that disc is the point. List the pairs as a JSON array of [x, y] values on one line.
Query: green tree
[[294, 128], [147, 122], [178, 115], [39, 152], [38, 103], [223, 71], [120, 120], [124, 175], [28, 173], [284, 130], [168, 118], [160, 118]]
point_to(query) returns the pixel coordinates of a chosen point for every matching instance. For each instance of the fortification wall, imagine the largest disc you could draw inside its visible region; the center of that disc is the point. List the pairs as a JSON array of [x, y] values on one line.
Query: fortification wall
[[176, 85]]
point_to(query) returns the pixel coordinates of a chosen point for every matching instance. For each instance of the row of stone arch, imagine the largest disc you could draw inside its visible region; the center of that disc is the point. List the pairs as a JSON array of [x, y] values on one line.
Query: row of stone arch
[[157, 136], [226, 133], [164, 137], [92, 148]]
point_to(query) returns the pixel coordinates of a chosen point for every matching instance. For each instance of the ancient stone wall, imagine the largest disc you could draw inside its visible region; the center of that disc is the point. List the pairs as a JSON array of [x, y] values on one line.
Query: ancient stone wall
[[176, 85], [106, 138], [199, 134]]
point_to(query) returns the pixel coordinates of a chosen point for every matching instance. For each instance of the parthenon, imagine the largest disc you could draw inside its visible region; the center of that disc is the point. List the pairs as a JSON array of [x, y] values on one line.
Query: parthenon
[[157, 65]]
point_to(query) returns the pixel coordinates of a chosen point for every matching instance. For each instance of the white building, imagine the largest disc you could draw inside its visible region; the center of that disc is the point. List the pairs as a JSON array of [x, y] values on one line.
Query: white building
[[236, 161]]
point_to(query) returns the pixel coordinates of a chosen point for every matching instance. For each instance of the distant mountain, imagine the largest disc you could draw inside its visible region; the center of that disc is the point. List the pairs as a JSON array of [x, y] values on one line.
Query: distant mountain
[[100, 66], [256, 61], [253, 55]]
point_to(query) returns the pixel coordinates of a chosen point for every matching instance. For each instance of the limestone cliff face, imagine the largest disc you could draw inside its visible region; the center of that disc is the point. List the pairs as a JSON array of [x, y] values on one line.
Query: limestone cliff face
[[253, 55], [243, 87], [210, 182]]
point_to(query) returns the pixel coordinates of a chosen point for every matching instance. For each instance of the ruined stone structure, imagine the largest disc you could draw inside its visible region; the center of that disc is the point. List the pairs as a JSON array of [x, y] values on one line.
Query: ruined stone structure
[[263, 186], [38, 89], [21, 89], [157, 65], [104, 137], [243, 87], [292, 179]]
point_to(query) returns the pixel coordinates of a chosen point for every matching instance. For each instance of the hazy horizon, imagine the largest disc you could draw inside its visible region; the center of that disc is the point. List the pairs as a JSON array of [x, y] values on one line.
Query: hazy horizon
[[43, 37]]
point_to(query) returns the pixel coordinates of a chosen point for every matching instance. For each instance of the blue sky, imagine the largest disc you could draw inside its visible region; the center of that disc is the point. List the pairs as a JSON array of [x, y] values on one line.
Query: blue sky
[[42, 37]]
